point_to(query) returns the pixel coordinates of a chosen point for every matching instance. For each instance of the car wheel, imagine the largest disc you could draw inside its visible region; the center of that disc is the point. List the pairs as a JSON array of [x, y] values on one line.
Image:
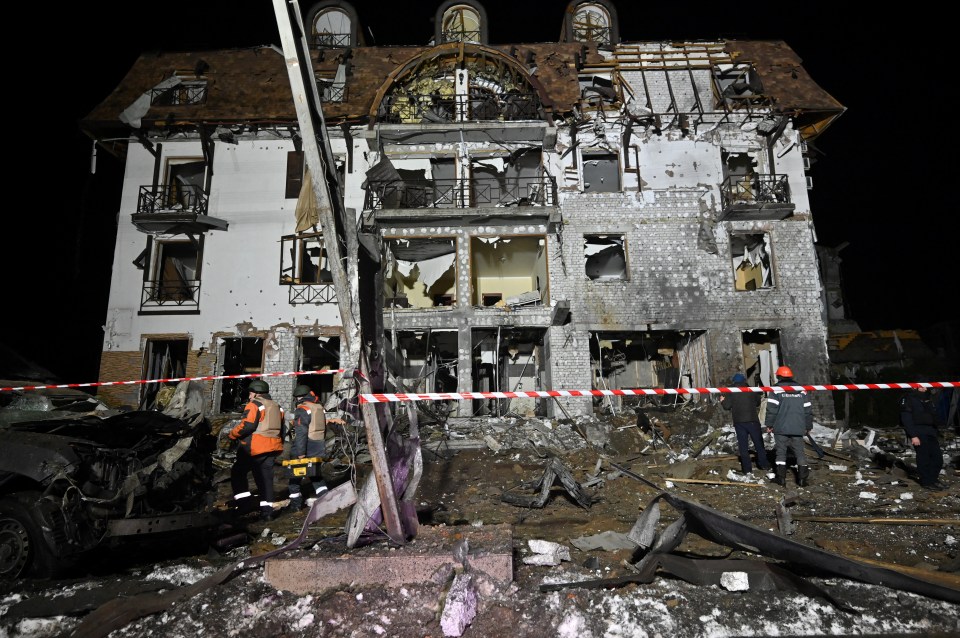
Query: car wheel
[[23, 551]]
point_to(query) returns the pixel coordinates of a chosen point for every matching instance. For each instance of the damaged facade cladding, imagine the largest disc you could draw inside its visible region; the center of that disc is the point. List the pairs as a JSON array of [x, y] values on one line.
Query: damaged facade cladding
[[592, 213]]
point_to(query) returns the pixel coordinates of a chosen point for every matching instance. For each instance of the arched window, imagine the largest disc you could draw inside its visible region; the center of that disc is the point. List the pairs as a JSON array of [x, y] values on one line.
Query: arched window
[[332, 28], [591, 23], [461, 23]]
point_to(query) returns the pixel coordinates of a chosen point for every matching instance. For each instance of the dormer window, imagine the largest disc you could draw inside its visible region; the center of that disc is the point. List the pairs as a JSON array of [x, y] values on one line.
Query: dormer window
[[332, 28], [182, 88], [591, 23], [461, 23]]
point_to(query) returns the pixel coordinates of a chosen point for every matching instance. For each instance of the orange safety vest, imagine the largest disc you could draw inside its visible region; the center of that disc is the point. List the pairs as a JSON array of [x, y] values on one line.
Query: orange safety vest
[[268, 416]]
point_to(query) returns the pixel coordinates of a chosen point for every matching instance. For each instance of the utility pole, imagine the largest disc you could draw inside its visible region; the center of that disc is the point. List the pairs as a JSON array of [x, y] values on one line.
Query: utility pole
[[339, 234]]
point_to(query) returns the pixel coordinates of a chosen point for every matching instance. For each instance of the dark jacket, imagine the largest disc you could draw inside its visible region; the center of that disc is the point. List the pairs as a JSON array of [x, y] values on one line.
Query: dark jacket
[[918, 414], [743, 406], [789, 412], [309, 429]]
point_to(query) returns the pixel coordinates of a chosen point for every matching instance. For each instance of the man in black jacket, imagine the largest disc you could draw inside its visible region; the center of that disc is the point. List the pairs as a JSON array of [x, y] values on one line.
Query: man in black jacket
[[746, 423], [918, 415], [789, 416]]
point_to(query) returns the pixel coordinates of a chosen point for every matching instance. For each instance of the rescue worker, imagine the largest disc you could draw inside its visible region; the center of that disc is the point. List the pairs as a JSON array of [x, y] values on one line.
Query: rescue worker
[[920, 420], [746, 424], [790, 417], [309, 434], [260, 433]]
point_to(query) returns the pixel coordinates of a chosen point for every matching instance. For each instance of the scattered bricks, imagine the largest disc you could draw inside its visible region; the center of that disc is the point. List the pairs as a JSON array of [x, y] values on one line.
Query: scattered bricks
[[461, 606], [490, 552]]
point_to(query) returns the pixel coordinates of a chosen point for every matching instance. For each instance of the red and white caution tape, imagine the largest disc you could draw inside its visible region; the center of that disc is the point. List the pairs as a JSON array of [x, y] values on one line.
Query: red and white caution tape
[[176, 380], [539, 394]]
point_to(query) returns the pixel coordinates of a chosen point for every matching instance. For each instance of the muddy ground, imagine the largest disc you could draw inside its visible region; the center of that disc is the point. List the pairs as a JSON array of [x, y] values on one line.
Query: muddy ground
[[863, 482]]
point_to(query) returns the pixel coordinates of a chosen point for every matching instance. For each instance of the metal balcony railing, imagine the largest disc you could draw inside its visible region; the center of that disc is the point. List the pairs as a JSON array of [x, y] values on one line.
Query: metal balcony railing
[[754, 190], [460, 193], [600, 35], [460, 35], [170, 295], [312, 293], [332, 92], [418, 109], [332, 40], [177, 198], [180, 94]]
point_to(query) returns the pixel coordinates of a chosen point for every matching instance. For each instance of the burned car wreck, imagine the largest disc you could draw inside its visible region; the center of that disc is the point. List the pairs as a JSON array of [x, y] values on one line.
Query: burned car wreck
[[70, 485]]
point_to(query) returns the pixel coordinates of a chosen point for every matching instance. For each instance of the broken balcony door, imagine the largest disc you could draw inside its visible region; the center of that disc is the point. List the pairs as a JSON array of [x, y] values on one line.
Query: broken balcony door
[[509, 360], [420, 272], [318, 353], [761, 355], [162, 359]]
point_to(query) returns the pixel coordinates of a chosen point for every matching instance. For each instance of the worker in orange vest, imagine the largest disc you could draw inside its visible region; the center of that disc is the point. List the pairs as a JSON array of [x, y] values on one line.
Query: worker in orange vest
[[260, 433]]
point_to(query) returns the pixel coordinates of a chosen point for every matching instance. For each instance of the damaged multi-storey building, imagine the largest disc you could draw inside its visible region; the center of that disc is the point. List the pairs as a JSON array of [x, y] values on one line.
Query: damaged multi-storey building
[[592, 213]]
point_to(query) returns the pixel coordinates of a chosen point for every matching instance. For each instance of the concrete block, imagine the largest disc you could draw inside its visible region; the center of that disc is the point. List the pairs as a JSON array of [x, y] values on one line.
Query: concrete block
[[461, 606], [490, 551]]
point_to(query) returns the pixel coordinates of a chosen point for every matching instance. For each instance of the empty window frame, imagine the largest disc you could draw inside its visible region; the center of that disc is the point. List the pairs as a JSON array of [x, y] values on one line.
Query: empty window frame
[[332, 28], [514, 267], [752, 261], [162, 359], [606, 257], [173, 278], [318, 353], [420, 272], [761, 355], [294, 183], [303, 260], [591, 23], [238, 355], [461, 23], [601, 173]]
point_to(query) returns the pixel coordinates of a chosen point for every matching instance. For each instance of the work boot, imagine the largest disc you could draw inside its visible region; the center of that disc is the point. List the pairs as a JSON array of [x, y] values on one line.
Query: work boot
[[781, 475], [267, 513], [803, 475], [296, 504]]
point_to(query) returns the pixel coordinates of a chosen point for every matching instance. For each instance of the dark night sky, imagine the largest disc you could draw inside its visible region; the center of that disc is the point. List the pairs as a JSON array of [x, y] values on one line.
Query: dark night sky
[[878, 178]]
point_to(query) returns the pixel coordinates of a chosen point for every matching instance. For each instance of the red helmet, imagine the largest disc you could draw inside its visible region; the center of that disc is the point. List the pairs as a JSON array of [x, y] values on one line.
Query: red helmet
[[784, 371]]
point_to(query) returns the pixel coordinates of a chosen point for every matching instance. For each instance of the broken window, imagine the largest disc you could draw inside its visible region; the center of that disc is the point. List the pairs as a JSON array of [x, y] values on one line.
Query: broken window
[[461, 23], [184, 183], [420, 272], [737, 86], [332, 28], [513, 267], [752, 262], [426, 359], [186, 88], [238, 355], [761, 355], [601, 173], [648, 359], [591, 23], [162, 359], [606, 257], [318, 353], [740, 175], [509, 360], [303, 260], [174, 275]]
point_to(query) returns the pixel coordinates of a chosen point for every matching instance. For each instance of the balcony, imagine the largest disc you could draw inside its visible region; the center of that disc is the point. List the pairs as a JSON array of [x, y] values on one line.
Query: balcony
[[174, 209], [425, 109], [755, 197], [460, 193], [167, 295]]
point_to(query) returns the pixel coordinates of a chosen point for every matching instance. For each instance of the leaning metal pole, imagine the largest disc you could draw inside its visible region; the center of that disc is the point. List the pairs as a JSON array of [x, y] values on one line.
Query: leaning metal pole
[[296, 54]]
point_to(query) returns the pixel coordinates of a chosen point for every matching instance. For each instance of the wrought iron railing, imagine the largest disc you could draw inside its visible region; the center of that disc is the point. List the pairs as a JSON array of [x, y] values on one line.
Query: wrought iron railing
[[460, 35], [172, 198], [755, 189], [460, 193], [312, 293], [483, 106], [333, 92], [179, 94], [332, 40], [600, 35], [170, 295]]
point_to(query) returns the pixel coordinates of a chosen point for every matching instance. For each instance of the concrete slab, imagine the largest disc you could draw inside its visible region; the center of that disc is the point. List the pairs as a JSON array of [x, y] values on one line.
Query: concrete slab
[[490, 550]]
